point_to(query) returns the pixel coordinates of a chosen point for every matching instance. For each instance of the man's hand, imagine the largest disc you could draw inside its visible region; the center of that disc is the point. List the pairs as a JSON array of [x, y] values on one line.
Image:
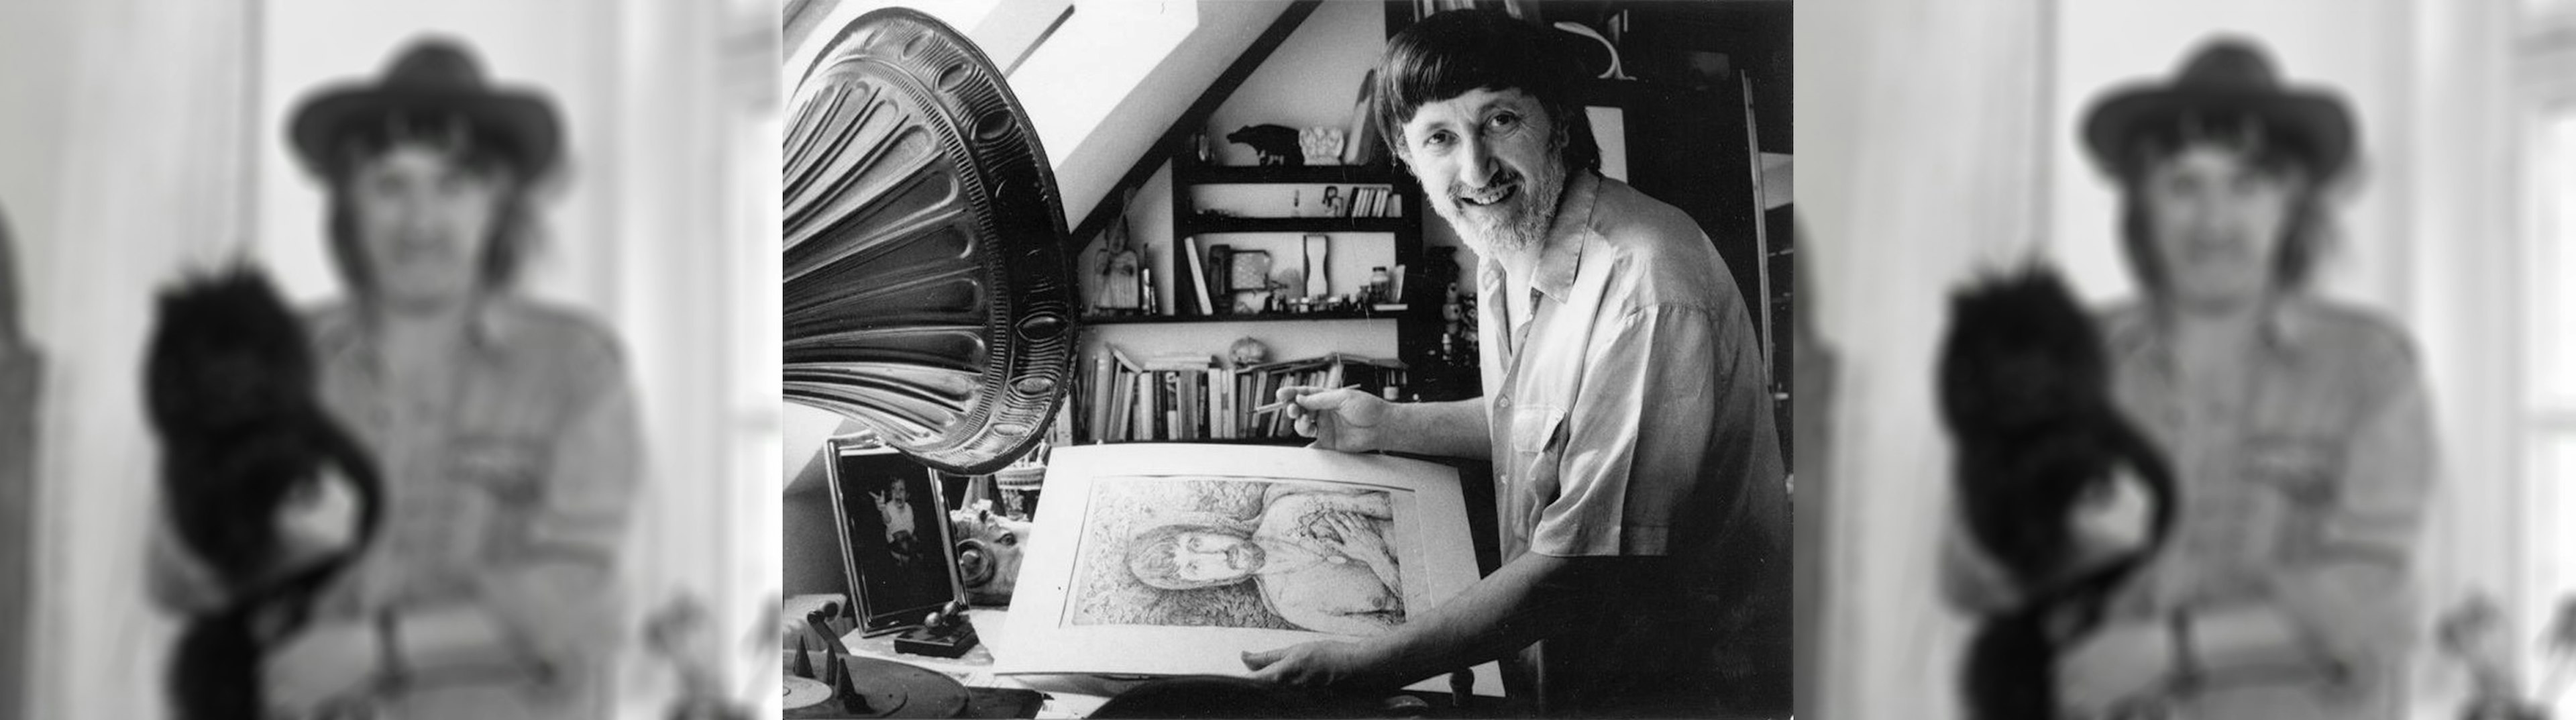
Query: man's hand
[[1346, 420], [2121, 664], [331, 662], [1323, 663]]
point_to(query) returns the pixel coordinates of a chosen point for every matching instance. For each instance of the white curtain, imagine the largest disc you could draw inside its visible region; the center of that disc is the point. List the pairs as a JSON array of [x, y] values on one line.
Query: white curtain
[[1916, 165], [149, 178]]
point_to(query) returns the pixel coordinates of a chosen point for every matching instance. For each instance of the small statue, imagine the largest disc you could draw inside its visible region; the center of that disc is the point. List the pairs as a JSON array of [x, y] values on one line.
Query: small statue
[[1121, 287], [1275, 144], [1248, 351], [1322, 146]]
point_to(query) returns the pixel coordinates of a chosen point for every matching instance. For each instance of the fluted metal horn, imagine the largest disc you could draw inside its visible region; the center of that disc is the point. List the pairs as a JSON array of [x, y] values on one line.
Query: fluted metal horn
[[928, 295]]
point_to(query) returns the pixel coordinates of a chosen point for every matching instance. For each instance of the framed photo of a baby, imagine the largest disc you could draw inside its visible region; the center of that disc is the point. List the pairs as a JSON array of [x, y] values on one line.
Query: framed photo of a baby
[[894, 535]]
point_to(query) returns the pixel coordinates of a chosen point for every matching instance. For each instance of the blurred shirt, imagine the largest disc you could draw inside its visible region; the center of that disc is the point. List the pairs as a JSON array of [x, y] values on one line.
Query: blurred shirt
[[2306, 490], [20, 373], [509, 486], [1630, 417]]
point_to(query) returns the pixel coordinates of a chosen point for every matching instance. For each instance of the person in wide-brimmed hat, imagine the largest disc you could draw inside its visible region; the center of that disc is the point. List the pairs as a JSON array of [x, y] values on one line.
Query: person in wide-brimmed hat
[[506, 429], [2299, 428]]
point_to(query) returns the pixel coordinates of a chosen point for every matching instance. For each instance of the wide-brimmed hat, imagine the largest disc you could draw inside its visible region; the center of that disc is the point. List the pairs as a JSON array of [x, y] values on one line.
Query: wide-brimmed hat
[[2226, 76], [433, 75]]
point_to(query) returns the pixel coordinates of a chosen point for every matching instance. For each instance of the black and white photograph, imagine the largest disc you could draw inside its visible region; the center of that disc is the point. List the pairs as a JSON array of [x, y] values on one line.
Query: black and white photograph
[[1544, 245], [2186, 359], [896, 539], [1239, 552], [387, 359]]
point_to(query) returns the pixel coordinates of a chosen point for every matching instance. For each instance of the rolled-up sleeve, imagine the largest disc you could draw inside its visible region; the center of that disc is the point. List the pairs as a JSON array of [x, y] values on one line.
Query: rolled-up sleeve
[[1670, 406]]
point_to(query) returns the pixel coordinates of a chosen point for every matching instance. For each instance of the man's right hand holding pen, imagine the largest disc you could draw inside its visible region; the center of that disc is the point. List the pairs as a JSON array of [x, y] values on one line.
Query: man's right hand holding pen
[[1346, 419]]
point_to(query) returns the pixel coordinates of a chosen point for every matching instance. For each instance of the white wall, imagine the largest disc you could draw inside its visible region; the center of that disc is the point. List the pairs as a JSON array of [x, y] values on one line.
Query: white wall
[[1309, 81]]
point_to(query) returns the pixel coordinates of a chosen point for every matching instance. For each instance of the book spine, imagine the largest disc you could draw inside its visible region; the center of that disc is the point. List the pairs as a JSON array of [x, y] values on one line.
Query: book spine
[[1198, 274]]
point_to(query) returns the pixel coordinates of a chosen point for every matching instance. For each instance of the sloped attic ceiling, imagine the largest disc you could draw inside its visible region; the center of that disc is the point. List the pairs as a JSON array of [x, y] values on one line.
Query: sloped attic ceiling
[[1101, 87]]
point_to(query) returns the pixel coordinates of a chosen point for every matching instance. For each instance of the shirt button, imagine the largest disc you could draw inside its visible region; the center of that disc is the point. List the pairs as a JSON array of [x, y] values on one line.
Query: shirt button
[[1506, 401]]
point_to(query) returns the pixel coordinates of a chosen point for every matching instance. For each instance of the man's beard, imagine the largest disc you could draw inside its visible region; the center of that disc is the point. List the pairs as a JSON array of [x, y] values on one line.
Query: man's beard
[[1515, 224]]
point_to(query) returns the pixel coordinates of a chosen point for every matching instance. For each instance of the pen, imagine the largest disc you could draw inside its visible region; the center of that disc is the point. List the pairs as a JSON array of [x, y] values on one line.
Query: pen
[[1275, 407]]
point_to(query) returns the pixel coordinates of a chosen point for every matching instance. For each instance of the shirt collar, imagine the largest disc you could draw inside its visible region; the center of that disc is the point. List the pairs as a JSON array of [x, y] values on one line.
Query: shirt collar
[[1563, 254], [352, 327], [2284, 328]]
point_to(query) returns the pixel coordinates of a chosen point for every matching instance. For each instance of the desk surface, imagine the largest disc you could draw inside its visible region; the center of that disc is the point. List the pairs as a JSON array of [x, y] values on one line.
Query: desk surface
[[1065, 699]]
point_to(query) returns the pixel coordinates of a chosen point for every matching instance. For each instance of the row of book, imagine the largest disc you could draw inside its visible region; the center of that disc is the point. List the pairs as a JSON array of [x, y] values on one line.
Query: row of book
[[1359, 201], [1184, 396]]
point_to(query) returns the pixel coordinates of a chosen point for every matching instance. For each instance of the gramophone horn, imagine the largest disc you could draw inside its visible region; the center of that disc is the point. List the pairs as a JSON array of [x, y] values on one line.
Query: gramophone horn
[[928, 296]]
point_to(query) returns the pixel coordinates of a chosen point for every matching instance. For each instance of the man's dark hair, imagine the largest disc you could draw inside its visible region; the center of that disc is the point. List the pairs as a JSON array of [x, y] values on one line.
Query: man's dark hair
[[1449, 53], [2270, 150], [477, 150]]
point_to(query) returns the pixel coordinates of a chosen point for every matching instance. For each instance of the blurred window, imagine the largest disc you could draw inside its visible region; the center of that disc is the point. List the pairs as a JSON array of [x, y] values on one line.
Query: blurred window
[[2545, 63]]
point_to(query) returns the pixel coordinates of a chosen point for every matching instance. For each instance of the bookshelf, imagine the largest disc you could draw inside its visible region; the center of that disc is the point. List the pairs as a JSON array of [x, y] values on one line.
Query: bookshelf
[[1189, 397], [1195, 194]]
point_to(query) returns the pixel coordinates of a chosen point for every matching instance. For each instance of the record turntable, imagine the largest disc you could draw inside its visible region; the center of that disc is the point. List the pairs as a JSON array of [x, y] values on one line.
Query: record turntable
[[832, 683]]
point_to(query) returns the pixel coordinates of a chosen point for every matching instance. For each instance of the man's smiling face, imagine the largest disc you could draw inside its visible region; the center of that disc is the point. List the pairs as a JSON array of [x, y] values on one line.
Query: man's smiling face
[[1491, 164]]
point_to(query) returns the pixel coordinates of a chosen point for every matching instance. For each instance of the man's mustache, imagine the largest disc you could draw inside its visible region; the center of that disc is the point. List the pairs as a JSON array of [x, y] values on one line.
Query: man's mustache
[[1458, 191]]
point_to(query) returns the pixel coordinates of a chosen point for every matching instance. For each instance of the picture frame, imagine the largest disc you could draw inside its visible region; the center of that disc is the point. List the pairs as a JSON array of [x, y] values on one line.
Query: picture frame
[[896, 551]]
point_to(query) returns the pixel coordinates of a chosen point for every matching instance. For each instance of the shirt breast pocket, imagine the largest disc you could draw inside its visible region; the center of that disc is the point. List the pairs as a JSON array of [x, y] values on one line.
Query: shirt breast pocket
[[511, 468]]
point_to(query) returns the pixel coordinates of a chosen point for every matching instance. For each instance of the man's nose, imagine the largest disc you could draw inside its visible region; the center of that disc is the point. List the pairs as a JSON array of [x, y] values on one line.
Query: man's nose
[[419, 216], [2213, 213], [1476, 163]]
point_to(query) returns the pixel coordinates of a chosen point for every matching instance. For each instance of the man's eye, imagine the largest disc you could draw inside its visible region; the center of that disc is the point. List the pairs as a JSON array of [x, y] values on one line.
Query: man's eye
[[1504, 121], [1438, 139]]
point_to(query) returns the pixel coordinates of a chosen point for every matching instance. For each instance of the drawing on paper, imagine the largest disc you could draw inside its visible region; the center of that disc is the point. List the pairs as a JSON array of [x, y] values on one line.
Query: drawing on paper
[[1240, 552]]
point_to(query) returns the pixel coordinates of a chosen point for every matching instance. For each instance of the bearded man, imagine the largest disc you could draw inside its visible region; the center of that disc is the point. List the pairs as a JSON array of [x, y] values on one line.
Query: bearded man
[[1638, 477]]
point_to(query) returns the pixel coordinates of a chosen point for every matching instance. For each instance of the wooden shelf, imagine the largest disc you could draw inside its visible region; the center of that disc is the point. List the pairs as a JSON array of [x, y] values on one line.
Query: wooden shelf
[[1188, 173], [1188, 225], [1262, 317]]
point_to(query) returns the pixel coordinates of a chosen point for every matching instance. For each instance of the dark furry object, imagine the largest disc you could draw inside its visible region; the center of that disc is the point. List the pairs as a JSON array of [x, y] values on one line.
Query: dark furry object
[[231, 388], [1276, 144], [2025, 390]]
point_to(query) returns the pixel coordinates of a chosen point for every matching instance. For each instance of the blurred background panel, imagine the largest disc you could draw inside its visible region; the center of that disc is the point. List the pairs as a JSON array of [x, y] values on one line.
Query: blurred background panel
[[141, 139], [1940, 138]]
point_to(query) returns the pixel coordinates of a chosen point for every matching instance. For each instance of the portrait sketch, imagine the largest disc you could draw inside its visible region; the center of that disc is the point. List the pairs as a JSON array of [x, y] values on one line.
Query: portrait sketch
[[1239, 552], [1178, 558], [893, 537]]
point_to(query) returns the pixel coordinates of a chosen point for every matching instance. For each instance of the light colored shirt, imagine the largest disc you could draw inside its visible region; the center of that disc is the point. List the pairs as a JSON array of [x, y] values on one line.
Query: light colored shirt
[[1629, 417], [509, 485], [2305, 490], [20, 372]]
